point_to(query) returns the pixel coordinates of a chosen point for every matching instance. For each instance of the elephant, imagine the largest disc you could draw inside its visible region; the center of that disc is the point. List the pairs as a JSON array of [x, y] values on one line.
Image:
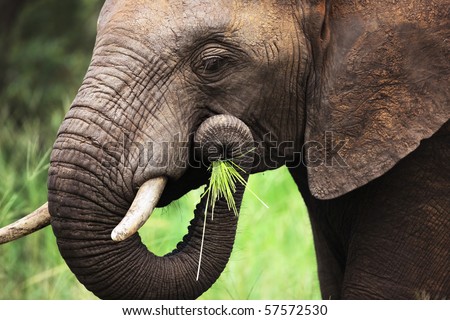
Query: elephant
[[351, 95]]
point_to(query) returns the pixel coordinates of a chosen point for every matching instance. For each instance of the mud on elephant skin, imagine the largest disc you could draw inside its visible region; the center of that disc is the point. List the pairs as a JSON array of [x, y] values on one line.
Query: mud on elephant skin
[[370, 76]]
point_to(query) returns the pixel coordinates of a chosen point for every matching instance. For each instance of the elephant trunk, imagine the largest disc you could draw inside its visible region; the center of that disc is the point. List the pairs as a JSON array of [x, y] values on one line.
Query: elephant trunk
[[82, 223]]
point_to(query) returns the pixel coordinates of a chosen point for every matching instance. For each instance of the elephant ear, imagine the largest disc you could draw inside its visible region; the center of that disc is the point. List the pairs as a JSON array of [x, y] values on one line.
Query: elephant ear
[[381, 85]]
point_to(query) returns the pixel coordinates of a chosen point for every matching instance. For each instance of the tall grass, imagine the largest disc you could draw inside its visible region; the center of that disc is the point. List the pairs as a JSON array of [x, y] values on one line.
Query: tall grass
[[273, 257], [31, 267]]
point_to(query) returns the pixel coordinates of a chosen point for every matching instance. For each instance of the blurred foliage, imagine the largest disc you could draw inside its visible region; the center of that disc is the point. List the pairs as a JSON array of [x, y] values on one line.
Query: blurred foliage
[[45, 46], [45, 49]]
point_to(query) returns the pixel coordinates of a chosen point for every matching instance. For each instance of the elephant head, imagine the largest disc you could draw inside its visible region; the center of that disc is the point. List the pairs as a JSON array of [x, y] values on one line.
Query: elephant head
[[292, 71]]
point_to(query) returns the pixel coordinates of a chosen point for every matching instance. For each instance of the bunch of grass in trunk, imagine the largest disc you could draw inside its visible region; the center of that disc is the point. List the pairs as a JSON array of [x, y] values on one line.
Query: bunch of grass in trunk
[[222, 184]]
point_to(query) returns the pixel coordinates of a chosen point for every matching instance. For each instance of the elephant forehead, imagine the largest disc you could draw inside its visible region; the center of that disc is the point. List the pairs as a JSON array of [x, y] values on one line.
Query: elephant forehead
[[162, 23]]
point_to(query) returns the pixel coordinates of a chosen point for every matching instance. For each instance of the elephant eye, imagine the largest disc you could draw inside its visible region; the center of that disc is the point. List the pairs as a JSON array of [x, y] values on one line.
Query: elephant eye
[[212, 67], [212, 64]]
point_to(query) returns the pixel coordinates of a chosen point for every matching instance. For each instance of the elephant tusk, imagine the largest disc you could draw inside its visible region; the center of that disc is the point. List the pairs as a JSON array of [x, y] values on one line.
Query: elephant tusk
[[141, 209], [27, 225]]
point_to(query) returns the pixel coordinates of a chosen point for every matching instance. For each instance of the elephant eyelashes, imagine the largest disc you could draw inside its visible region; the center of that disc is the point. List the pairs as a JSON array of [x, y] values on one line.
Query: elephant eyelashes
[[212, 68], [213, 63]]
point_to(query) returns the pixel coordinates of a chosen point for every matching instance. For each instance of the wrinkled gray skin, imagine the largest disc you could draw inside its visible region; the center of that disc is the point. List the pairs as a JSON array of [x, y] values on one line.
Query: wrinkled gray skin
[[375, 76]]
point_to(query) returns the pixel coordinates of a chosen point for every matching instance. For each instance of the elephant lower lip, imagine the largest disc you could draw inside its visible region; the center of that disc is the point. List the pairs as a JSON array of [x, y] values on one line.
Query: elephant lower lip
[[191, 180]]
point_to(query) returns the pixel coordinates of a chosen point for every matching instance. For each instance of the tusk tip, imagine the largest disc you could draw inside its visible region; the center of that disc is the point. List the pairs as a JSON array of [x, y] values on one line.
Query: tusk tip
[[35, 221], [142, 207], [118, 235]]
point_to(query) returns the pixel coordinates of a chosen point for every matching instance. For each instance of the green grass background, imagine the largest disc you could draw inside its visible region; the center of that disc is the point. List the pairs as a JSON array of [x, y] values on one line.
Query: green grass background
[[41, 68]]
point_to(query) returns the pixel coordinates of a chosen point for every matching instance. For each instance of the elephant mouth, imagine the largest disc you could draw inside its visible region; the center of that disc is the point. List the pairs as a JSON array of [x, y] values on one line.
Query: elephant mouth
[[157, 192], [193, 178]]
